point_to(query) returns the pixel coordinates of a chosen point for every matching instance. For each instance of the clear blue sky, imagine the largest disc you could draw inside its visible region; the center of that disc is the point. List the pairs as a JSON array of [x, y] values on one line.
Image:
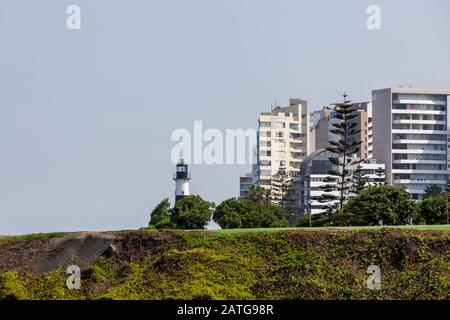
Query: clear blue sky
[[86, 116]]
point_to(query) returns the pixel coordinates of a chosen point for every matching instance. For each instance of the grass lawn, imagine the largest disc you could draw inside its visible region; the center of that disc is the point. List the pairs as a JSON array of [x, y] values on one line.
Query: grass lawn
[[32, 236], [421, 227], [232, 231]]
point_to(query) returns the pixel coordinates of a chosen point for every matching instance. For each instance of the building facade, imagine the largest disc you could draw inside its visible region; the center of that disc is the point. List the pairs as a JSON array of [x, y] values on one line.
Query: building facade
[[410, 136], [364, 123], [282, 141], [245, 183], [314, 171], [321, 129]]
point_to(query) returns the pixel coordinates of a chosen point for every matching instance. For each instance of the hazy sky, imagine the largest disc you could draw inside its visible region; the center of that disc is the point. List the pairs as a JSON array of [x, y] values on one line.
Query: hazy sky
[[86, 116]]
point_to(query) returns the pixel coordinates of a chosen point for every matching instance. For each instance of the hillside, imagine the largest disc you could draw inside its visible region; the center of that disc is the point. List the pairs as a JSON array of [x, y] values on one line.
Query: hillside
[[289, 264]]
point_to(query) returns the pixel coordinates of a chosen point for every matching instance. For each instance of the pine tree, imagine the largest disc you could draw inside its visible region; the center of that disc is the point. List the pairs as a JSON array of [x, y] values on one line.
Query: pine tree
[[259, 195], [282, 190], [340, 176], [359, 181], [380, 174]]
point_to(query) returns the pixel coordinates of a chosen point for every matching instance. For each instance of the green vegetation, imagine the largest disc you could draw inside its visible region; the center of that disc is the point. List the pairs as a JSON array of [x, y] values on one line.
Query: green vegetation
[[434, 209], [160, 216], [384, 203], [191, 212], [379, 203], [283, 189], [236, 264], [432, 191], [354, 228], [23, 286], [245, 213]]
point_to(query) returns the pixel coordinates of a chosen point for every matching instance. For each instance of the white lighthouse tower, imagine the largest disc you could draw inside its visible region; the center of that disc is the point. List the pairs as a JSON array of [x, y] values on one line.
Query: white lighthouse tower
[[181, 177]]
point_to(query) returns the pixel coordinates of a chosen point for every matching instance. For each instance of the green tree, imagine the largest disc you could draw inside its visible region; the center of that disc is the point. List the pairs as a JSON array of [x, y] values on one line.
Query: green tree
[[245, 213], [432, 191], [191, 212], [229, 213], [359, 181], [259, 195], [282, 188], [381, 178], [433, 209], [376, 203], [160, 216], [273, 217]]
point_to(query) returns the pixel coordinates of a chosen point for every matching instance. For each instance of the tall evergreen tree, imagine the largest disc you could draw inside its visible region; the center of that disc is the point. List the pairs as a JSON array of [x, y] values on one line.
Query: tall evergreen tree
[[282, 189], [340, 176]]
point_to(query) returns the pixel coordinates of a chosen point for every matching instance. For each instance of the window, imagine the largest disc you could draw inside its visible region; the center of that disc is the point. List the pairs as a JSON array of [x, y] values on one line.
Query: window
[[280, 125], [279, 134], [296, 145], [265, 124], [266, 173]]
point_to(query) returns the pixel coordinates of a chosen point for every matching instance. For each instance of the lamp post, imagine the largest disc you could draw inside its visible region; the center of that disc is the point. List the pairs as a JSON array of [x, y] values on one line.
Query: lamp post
[[310, 212]]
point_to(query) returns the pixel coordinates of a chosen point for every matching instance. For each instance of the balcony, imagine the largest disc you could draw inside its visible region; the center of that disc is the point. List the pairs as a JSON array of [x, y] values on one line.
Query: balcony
[[418, 151], [421, 181], [406, 121], [419, 131], [427, 102], [410, 161], [403, 111], [405, 141], [411, 171]]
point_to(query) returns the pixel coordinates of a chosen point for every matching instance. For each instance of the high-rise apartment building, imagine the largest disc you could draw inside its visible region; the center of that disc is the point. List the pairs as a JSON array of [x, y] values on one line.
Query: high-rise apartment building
[[410, 137], [322, 128], [282, 142], [364, 123]]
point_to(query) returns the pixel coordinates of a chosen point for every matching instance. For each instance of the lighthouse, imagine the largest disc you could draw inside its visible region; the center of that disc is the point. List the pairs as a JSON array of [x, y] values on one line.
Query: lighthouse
[[181, 177]]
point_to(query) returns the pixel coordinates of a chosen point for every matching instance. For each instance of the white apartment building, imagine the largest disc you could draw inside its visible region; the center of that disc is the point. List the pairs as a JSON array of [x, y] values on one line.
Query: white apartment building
[[410, 136], [282, 141]]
